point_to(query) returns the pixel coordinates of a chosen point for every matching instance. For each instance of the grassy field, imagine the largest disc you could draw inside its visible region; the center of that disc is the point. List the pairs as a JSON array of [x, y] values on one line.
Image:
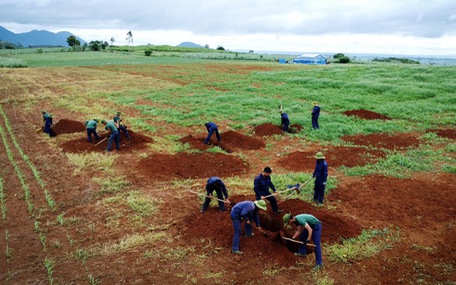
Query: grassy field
[[180, 89]]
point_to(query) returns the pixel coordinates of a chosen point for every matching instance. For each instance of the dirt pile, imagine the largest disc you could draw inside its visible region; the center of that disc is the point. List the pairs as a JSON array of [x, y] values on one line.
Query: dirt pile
[[267, 129], [231, 141], [217, 227], [384, 140], [366, 114], [190, 166], [65, 126], [81, 145], [446, 133], [336, 157]]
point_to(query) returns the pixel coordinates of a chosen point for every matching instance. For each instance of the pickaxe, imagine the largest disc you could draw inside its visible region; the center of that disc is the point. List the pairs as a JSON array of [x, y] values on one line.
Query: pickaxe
[[260, 230], [201, 194], [284, 191], [288, 197]]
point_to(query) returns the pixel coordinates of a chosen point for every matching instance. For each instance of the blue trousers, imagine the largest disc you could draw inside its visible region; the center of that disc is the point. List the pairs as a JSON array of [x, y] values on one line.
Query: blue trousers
[[124, 129], [47, 128], [316, 237], [90, 132], [319, 191], [285, 127], [207, 200], [115, 136], [211, 132], [237, 230], [315, 122]]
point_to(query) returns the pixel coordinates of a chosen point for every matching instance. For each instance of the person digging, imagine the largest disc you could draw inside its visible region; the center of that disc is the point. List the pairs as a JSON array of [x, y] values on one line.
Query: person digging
[[91, 127], [215, 184], [261, 186], [119, 124], [114, 134], [307, 227], [211, 128], [247, 211], [285, 121]]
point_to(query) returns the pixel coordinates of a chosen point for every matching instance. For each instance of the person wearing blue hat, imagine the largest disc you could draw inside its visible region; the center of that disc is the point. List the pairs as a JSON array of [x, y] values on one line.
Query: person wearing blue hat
[[247, 211], [307, 227]]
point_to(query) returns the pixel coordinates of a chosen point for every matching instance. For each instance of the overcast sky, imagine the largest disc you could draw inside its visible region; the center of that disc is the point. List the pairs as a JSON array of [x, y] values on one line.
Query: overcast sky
[[405, 27]]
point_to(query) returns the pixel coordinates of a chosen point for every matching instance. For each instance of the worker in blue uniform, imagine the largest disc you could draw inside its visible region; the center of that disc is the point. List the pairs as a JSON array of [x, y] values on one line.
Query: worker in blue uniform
[[215, 184]]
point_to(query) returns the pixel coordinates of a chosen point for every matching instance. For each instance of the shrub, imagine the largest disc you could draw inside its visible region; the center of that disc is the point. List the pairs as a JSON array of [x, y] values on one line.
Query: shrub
[[148, 52]]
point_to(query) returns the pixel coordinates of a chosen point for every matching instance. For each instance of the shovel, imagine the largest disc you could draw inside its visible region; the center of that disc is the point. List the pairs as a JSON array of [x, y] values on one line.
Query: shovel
[[201, 194]]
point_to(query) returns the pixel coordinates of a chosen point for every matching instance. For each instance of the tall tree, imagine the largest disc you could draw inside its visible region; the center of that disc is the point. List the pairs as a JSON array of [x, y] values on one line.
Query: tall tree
[[112, 40], [129, 37], [73, 41]]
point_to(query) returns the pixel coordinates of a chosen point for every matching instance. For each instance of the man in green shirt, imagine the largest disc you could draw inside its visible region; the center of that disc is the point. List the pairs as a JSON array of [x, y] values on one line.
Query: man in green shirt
[[114, 136], [307, 227], [91, 126]]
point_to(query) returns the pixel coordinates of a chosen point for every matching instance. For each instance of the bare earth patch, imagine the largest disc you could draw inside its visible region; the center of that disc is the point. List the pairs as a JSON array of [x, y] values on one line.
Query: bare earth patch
[[386, 141], [366, 114], [446, 133]]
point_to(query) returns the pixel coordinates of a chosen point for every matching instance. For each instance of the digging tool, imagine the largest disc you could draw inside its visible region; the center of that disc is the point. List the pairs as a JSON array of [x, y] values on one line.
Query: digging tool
[[260, 230], [100, 141], [284, 191], [297, 241], [289, 196], [201, 194]]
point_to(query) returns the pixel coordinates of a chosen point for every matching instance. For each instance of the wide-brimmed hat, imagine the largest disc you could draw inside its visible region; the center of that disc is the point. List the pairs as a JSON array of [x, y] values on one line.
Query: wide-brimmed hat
[[118, 113], [315, 103], [286, 218], [261, 204], [319, 155]]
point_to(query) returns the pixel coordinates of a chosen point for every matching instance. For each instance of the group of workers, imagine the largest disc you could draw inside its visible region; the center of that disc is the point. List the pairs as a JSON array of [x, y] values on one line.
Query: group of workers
[[284, 123], [113, 126], [307, 226]]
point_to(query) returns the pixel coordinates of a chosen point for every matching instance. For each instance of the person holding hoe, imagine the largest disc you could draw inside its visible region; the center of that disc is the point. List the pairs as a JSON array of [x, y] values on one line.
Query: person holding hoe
[[91, 127], [211, 129], [215, 184], [261, 186], [321, 175], [118, 121], [114, 134], [285, 121], [247, 211], [307, 227]]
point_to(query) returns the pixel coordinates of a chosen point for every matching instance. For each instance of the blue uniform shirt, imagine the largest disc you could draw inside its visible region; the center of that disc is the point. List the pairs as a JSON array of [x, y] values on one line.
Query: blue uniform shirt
[[285, 119], [210, 186], [247, 211], [316, 111], [321, 170], [261, 186]]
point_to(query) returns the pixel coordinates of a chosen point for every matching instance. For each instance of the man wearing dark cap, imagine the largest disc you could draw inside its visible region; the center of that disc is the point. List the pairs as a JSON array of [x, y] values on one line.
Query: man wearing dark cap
[[261, 186], [215, 183], [118, 121]]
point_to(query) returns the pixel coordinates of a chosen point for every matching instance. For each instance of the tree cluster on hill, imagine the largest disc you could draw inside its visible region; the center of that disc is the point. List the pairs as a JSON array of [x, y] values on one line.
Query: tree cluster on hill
[[396, 59]]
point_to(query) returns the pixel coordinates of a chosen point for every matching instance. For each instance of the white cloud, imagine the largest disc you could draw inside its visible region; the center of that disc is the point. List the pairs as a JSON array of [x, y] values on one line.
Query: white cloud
[[350, 25]]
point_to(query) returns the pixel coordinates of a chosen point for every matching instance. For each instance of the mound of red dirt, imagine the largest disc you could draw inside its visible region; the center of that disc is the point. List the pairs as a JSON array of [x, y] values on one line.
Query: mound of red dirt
[[336, 157], [267, 129], [384, 140], [65, 126], [217, 227], [366, 114], [446, 133], [230, 141], [186, 166], [80, 145]]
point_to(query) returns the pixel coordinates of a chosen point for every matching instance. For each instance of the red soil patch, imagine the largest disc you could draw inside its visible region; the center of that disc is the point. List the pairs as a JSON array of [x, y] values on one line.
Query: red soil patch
[[446, 133], [384, 140], [266, 249], [80, 145], [336, 157], [65, 126], [230, 141], [269, 129], [186, 166], [366, 114]]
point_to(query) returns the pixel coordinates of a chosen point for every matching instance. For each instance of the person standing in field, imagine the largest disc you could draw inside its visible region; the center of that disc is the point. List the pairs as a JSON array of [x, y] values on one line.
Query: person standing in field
[[307, 227], [285, 121], [114, 134], [91, 127], [261, 186], [321, 175], [120, 126], [47, 119], [215, 184], [247, 211], [315, 115], [211, 129]]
